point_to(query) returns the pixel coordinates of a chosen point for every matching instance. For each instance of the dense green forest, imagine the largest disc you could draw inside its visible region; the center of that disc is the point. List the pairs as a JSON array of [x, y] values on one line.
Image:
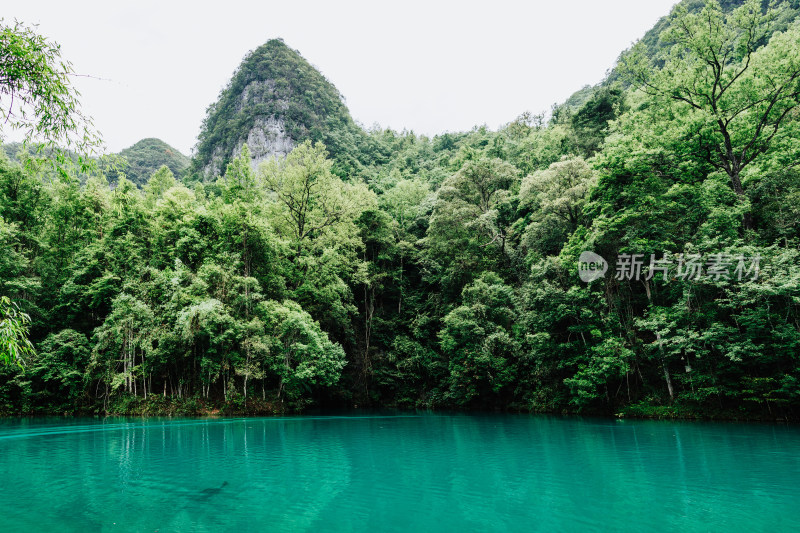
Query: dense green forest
[[140, 161], [137, 163], [378, 268]]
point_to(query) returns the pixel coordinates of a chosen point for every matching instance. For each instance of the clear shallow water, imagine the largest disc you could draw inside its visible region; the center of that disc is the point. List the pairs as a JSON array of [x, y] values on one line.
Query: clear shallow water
[[425, 472]]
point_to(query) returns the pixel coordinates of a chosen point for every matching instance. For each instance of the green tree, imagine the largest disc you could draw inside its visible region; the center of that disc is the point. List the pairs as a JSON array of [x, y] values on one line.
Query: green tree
[[470, 227], [315, 213], [590, 123], [15, 346], [405, 204], [122, 343], [160, 182], [312, 203], [303, 357], [478, 339], [556, 198], [726, 92], [36, 93], [58, 370], [211, 332], [240, 179]]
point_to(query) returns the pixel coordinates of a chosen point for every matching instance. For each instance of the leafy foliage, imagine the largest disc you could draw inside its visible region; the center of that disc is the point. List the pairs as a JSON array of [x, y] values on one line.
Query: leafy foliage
[[275, 83], [14, 343], [36, 94], [144, 158], [392, 269]]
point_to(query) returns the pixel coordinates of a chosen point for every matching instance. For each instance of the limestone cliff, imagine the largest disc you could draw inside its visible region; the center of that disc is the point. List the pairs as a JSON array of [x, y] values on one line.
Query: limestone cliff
[[274, 101]]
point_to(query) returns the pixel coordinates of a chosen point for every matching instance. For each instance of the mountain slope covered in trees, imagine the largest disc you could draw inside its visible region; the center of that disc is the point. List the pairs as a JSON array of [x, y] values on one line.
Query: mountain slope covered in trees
[[148, 155], [389, 269], [654, 47], [274, 101]]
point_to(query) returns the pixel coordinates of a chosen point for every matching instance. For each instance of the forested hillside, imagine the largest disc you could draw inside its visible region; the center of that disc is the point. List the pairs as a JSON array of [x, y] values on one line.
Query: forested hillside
[[145, 157], [274, 101], [137, 163], [377, 268]]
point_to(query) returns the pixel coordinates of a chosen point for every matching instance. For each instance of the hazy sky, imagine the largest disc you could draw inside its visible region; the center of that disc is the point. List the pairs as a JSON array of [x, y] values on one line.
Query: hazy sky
[[426, 66]]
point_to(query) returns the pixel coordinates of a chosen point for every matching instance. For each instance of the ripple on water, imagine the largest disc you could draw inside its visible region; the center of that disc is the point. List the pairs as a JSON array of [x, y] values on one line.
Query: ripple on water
[[422, 473]]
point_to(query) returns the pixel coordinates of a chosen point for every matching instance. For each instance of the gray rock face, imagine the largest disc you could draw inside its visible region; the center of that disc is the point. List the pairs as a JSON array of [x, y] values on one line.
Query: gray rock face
[[267, 138], [260, 92]]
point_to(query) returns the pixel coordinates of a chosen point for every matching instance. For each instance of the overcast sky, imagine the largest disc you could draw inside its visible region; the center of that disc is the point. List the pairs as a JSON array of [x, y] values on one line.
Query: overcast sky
[[425, 66]]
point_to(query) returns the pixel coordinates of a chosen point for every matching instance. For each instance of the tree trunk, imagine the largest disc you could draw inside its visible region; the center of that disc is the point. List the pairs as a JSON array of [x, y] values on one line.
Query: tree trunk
[[369, 311], [400, 285], [664, 366], [747, 218], [663, 357]]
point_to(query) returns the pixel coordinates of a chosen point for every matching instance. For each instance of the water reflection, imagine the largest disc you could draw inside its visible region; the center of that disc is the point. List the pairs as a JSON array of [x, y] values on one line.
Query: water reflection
[[431, 472]]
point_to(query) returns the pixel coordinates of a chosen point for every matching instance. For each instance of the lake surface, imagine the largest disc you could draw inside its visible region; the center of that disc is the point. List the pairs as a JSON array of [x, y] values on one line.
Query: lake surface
[[427, 472]]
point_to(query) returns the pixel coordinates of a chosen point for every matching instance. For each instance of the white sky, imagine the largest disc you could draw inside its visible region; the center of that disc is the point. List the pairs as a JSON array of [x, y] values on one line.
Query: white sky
[[428, 66]]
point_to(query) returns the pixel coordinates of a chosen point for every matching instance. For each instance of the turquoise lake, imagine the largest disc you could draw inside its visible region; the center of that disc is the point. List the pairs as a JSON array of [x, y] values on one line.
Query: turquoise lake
[[425, 472]]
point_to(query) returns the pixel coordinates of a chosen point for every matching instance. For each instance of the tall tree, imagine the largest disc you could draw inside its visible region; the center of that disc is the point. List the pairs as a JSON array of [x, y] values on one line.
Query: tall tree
[[14, 343], [36, 92], [731, 92], [315, 213]]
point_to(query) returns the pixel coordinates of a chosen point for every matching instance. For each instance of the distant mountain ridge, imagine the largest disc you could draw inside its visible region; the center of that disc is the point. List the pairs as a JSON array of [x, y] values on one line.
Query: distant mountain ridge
[[148, 155], [139, 163]]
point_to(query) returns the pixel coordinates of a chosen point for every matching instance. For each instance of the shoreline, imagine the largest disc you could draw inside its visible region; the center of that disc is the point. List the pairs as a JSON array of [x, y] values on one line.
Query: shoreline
[[191, 409]]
